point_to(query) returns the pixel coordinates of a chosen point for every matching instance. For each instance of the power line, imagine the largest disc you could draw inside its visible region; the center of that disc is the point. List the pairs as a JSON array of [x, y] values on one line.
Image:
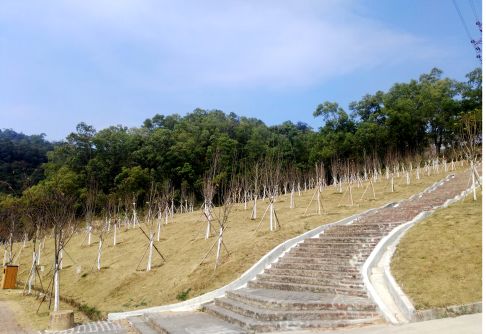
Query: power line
[[473, 7], [476, 44], [462, 20]]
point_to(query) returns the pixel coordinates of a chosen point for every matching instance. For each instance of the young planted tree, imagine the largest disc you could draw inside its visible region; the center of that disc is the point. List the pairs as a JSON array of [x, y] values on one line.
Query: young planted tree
[[222, 218], [256, 190], [89, 209], [318, 190], [470, 138], [33, 213], [150, 224], [59, 210], [110, 211], [135, 220], [272, 170], [209, 189]]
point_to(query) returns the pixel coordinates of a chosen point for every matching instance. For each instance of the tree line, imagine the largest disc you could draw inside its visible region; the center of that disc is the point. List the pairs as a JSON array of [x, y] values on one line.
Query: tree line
[[422, 116]]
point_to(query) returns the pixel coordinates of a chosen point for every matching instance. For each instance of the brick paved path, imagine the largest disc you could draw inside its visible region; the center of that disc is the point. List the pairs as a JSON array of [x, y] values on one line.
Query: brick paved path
[[98, 327]]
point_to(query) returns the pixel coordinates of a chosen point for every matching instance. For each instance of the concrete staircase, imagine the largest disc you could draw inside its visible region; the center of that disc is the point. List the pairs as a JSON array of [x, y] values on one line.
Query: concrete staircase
[[318, 283]]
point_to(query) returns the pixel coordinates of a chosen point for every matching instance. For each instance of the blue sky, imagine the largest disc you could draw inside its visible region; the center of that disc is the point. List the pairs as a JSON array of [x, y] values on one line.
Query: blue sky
[[108, 62]]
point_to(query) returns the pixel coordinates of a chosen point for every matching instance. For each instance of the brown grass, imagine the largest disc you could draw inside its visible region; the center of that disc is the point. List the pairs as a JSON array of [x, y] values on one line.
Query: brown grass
[[119, 286], [438, 262]]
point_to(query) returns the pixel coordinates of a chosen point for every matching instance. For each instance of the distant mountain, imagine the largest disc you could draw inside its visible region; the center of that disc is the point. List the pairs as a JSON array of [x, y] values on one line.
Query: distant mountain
[[21, 157]]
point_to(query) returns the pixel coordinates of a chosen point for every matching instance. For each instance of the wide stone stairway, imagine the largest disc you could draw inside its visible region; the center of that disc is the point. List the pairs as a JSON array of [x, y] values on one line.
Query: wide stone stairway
[[318, 283]]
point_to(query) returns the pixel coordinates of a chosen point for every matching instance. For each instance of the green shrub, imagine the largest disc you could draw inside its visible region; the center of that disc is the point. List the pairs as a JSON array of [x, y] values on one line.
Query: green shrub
[[91, 312], [183, 295]]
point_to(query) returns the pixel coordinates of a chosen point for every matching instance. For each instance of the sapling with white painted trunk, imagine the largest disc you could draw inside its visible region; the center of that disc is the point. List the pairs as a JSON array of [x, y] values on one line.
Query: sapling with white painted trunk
[[89, 209], [59, 209], [209, 188], [271, 175], [317, 193], [471, 139], [221, 216], [101, 239], [135, 220], [150, 223]]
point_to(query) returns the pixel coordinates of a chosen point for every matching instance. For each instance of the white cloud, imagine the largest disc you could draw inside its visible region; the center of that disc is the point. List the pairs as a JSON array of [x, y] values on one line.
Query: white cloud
[[164, 45]]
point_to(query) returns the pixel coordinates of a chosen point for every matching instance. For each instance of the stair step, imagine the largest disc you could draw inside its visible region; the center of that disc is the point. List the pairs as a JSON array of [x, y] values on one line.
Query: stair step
[[379, 221], [322, 261], [323, 245], [140, 326], [369, 236], [352, 283], [327, 254], [260, 314], [270, 326], [312, 273], [358, 228], [316, 266], [306, 287], [336, 245], [349, 238], [190, 322], [299, 300]]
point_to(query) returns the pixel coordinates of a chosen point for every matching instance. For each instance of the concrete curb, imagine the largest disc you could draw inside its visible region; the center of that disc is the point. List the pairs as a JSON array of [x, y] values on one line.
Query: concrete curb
[[449, 311], [385, 250], [257, 268]]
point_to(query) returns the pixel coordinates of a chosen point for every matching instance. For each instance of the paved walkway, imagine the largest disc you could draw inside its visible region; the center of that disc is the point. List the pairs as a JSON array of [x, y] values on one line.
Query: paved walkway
[[98, 327], [470, 324], [8, 324]]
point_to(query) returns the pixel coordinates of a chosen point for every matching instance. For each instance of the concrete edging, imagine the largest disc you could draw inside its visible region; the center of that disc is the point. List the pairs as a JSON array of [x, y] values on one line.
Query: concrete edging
[[449, 311], [385, 250], [257, 268]]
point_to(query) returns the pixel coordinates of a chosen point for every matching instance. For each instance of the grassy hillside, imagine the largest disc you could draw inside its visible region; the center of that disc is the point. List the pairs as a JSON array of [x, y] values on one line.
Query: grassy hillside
[[438, 262], [120, 286]]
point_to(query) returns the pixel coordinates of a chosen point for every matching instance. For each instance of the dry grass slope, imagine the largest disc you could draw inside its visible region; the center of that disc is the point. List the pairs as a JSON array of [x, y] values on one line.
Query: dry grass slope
[[438, 262], [120, 286]]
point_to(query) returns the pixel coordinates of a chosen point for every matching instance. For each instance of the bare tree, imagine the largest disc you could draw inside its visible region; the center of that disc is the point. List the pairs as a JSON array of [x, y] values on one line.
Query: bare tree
[[33, 213], [318, 190], [150, 223], [222, 218], [271, 175], [209, 189], [60, 214], [89, 209], [470, 137]]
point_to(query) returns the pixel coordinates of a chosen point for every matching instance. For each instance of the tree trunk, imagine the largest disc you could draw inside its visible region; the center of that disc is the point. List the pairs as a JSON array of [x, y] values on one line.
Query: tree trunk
[[89, 235], [158, 228], [151, 246], [98, 262], [39, 254], [271, 215], [32, 273], [114, 235], [56, 286], [218, 249], [254, 210], [473, 177], [166, 215]]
